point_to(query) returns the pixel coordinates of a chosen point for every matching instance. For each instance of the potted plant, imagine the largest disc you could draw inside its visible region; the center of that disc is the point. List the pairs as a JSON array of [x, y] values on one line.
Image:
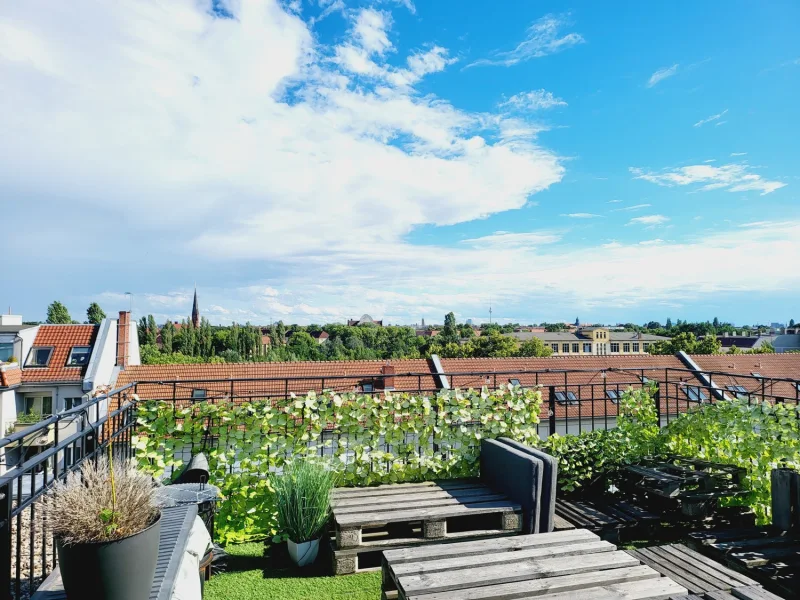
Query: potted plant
[[106, 523], [303, 502]]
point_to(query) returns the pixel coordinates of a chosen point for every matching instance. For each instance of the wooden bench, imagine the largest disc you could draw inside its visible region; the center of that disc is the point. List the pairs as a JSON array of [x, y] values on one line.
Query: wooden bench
[[606, 518], [369, 520], [697, 573], [176, 523], [549, 566], [768, 554]]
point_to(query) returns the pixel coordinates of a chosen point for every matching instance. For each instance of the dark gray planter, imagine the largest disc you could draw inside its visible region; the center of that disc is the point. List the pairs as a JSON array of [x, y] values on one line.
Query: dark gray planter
[[118, 570]]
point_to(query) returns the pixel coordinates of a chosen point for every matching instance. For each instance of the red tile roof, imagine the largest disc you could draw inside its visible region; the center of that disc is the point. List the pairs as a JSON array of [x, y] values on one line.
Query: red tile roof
[[738, 369], [10, 375], [62, 338], [215, 378]]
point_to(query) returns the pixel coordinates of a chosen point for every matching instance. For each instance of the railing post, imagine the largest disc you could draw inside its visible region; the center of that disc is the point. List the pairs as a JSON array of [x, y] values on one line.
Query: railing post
[[5, 540], [551, 402], [657, 400]]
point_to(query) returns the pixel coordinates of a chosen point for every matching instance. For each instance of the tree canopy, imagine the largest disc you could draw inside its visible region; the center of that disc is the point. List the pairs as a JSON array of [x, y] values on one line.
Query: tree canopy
[[58, 314], [95, 314]]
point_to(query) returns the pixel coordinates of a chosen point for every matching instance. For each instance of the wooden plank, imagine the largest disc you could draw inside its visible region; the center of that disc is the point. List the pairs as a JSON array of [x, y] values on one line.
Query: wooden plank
[[686, 597], [505, 558], [431, 493], [503, 573], [719, 595], [727, 535], [400, 488], [370, 518], [715, 574], [600, 517], [756, 543], [404, 504], [519, 542], [647, 589], [753, 593], [693, 555], [762, 556], [410, 542], [636, 511], [561, 524], [693, 584], [568, 512], [536, 587]]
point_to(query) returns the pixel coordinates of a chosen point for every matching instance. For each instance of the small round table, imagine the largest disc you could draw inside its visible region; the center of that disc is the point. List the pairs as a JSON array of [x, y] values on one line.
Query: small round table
[[204, 495]]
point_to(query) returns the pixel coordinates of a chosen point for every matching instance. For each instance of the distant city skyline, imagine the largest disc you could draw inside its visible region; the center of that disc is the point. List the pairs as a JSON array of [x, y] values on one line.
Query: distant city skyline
[[313, 161]]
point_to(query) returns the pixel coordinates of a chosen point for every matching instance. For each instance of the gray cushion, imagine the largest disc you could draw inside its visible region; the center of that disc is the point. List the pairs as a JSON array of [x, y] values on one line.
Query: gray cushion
[[516, 474], [549, 483]]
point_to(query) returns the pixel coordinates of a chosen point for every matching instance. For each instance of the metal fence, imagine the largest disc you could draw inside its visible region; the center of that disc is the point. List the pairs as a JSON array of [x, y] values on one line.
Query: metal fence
[[573, 401]]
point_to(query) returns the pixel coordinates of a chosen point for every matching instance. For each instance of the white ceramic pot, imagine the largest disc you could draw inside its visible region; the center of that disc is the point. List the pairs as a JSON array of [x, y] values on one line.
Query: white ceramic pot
[[304, 553]]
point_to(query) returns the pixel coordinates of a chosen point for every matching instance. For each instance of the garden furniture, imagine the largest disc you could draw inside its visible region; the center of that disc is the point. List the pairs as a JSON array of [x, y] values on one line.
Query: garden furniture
[[564, 564], [505, 500]]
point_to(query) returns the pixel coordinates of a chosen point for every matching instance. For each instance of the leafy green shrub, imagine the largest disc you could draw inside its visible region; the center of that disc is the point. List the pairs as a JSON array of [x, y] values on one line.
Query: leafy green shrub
[[588, 456], [388, 438], [29, 418], [303, 499], [758, 437]]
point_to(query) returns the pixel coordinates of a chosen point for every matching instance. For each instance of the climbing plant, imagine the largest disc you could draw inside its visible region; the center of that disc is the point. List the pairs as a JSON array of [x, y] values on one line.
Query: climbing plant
[[368, 439]]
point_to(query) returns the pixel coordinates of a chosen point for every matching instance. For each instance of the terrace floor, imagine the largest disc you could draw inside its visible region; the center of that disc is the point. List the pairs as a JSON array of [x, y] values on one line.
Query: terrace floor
[[260, 571]]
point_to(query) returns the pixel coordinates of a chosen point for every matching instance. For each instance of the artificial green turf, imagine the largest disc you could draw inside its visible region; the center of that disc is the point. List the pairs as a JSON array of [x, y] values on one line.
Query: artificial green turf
[[259, 572]]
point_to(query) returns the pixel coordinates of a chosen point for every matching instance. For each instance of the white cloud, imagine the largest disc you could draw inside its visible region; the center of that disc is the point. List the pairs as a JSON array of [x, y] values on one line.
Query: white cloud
[[581, 215], [733, 178], [702, 122], [632, 208], [420, 64], [542, 38], [738, 153], [533, 100], [654, 242], [710, 160], [718, 123], [507, 240], [661, 75], [614, 201], [649, 220]]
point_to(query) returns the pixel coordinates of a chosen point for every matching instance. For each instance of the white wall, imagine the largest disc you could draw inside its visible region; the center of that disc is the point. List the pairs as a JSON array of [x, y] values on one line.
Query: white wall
[[100, 370], [133, 347], [28, 336]]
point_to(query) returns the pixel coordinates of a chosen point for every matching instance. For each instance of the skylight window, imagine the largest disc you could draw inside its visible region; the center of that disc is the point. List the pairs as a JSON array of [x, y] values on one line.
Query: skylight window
[[199, 394], [514, 381], [695, 394], [79, 356], [613, 396], [738, 389], [367, 387], [566, 398], [39, 356], [757, 375]]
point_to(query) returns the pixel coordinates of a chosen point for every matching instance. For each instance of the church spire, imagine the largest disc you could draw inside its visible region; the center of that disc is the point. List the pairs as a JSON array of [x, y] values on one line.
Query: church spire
[[195, 310]]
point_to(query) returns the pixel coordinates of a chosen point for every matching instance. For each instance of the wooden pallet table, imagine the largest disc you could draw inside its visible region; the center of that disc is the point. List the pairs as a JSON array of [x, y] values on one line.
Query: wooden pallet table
[[697, 573], [742, 593], [765, 553], [606, 517], [562, 565], [370, 520]]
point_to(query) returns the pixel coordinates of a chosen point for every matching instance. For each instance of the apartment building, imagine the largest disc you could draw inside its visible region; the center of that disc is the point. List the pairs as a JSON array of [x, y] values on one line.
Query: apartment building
[[593, 341]]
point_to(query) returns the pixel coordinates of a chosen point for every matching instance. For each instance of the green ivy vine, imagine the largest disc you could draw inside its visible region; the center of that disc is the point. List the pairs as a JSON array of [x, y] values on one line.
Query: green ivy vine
[[367, 439]]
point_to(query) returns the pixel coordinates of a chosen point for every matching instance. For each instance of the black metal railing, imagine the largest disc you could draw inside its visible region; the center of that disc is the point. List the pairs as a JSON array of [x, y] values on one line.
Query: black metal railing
[[573, 401]]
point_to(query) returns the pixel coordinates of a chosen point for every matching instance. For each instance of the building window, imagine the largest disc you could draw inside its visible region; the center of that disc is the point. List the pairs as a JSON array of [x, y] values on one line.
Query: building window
[[614, 346], [738, 389], [576, 348], [695, 394], [199, 394], [626, 348], [367, 387], [636, 346], [587, 348], [39, 404], [70, 403], [613, 395], [565, 348], [757, 375], [646, 347], [554, 347], [39, 357], [566, 398], [79, 356], [6, 351], [514, 382]]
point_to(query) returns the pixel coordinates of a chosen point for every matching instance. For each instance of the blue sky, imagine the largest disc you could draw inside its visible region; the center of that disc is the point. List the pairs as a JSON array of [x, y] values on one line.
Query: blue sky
[[313, 161]]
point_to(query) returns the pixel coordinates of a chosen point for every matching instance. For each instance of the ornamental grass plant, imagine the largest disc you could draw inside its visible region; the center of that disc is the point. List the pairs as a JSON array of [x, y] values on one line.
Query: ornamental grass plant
[[303, 499], [92, 506]]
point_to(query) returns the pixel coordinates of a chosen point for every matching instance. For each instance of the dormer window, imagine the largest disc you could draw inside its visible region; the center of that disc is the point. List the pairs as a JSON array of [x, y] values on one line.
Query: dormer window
[[79, 356], [39, 356]]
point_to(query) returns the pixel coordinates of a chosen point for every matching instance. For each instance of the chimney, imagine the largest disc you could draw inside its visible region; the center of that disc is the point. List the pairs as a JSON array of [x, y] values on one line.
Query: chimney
[[725, 334], [123, 338], [388, 380]]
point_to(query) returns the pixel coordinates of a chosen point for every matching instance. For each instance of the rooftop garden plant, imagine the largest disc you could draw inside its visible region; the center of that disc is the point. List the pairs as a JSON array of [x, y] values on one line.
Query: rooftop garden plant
[[29, 418]]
